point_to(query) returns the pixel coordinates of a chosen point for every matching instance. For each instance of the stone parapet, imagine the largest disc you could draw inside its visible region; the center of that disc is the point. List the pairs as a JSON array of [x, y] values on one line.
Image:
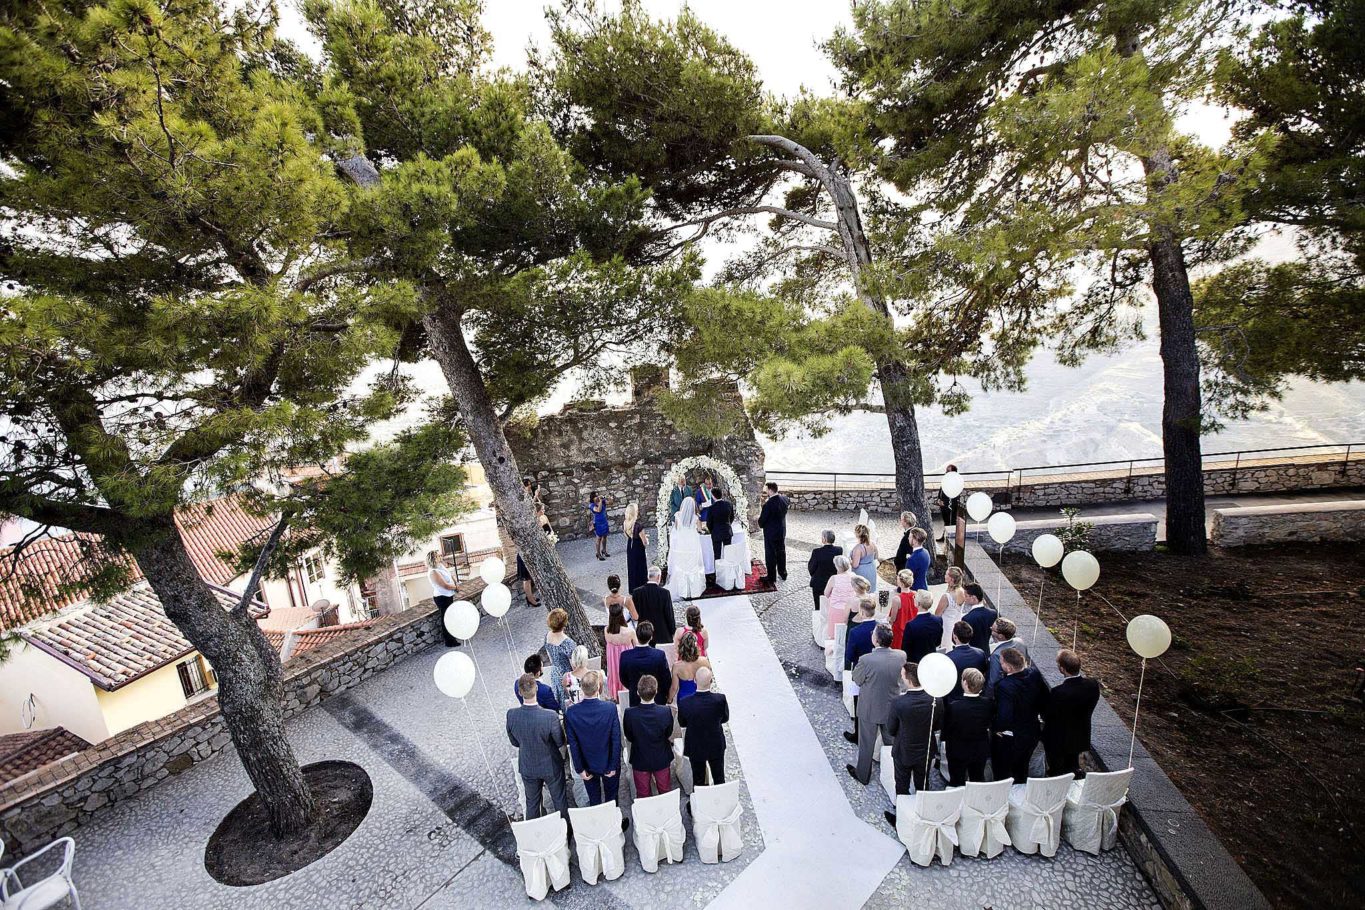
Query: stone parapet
[[1308, 522], [1135, 533]]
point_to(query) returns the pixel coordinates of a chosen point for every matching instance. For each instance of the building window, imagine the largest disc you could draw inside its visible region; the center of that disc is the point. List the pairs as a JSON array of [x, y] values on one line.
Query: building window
[[314, 568], [195, 679], [452, 546]]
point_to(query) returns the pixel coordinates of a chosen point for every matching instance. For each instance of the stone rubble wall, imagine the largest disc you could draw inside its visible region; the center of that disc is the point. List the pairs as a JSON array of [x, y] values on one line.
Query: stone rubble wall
[[1307, 522], [1135, 533]]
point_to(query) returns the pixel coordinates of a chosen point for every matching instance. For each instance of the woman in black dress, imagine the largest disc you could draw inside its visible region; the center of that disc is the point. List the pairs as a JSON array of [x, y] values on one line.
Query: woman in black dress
[[528, 585], [637, 564]]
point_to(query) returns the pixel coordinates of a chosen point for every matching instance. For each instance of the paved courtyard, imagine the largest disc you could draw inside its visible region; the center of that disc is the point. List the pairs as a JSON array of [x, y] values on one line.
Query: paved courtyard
[[437, 835]]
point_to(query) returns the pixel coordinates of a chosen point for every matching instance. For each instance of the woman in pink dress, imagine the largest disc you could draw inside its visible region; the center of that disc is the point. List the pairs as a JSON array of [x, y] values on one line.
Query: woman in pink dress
[[841, 595], [619, 636], [694, 626]]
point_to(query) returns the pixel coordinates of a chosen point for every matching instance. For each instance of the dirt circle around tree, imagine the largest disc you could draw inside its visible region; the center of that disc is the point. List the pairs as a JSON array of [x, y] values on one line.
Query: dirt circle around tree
[[242, 851]]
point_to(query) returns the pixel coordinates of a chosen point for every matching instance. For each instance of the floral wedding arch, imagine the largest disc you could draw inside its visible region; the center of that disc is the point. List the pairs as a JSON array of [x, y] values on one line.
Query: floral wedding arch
[[729, 481]]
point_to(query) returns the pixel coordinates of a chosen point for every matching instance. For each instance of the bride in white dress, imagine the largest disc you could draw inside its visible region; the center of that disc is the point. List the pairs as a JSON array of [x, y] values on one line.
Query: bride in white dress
[[686, 575]]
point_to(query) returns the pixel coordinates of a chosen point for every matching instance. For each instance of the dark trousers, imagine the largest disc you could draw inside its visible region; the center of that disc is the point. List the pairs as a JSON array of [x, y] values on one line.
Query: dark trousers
[[1063, 763], [818, 592], [961, 770], [699, 765], [1010, 756], [775, 555], [906, 774], [602, 789], [443, 602], [555, 783]]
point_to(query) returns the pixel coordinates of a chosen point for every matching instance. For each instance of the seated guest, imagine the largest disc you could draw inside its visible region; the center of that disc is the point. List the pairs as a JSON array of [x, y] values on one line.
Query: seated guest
[[859, 639], [545, 696], [922, 636], [967, 731], [964, 656], [649, 730], [594, 732], [572, 683], [1003, 635], [912, 737], [821, 565], [645, 660], [903, 606], [702, 718], [919, 559], [979, 616], [1020, 698], [538, 737], [1066, 717]]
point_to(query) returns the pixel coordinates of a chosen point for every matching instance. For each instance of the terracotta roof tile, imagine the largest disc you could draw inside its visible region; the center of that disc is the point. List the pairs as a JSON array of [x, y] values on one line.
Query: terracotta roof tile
[[308, 639], [21, 753], [218, 526]]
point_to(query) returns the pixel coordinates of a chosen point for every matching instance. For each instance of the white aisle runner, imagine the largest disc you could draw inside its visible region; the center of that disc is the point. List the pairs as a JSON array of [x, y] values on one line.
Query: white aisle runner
[[817, 853]]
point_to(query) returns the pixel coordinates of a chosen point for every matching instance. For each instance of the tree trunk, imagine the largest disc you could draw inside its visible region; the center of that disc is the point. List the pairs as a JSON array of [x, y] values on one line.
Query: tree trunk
[[250, 679], [481, 421]]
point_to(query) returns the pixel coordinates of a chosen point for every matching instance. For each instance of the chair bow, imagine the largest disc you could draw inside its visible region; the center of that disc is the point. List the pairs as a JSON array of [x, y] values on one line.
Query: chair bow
[[1108, 812], [550, 856], [671, 828], [1048, 818], [946, 828], [723, 832]]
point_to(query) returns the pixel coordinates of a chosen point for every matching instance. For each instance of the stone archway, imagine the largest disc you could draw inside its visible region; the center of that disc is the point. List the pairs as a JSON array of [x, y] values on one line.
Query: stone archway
[[729, 480]]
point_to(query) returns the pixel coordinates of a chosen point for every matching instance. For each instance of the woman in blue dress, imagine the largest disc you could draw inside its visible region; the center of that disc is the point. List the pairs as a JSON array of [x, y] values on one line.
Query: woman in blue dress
[[597, 505], [864, 555]]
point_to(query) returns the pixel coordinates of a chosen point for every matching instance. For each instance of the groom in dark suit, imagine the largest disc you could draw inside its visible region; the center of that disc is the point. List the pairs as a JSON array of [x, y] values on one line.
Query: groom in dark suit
[[720, 514], [773, 520]]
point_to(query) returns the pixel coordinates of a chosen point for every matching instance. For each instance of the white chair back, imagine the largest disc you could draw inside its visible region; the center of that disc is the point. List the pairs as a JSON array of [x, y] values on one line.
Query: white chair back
[[887, 774], [850, 690], [599, 842], [981, 829], [658, 829], [543, 851], [595, 663], [818, 619], [520, 784], [1091, 819], [55, 888], [716, 814], [1034, 822], [927, 824], [671, 652], [834, 652]]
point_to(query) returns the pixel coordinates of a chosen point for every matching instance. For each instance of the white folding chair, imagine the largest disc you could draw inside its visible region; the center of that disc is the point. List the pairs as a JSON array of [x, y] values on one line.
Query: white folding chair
[[927, 824], [1034, 821], [850, 690], [716, 815], [981, 829], [599, 842], [1091, 818], [834, 652], [658, 829], [595, 663], [818, 622], [887, 774], [728, 576], [520, 784], [543, 851], [46, 892], [671, 652]]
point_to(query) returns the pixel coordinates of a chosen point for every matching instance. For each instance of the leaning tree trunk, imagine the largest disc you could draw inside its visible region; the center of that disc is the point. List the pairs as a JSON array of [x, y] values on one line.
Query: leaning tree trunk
[[250, 679], [481, 422]]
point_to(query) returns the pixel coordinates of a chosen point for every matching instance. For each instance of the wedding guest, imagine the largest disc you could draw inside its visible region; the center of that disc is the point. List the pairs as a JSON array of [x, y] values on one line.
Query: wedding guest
[[620, 637], [560, 647], [773, 520], [528, 584], [572, 683], [906, 546], [839, 590], [1020, 699], [967, 731], [821, 565], [593, 730], [1003, 635], [860, 627], [614, 596], [545, 696], [913, 719], [1066, 716], [878, 677], [692, 618], [919, 559], [702, 718], [950, 604], [601, 526], [538, 737], [964, 656], [683, 682], [443, 593], [864, 555], [637, 546], [947, 508], [922, 635], [641, 661], [649, 730], [719, 521], [906, 607], [681, 491], [979, 616], [654, 604]]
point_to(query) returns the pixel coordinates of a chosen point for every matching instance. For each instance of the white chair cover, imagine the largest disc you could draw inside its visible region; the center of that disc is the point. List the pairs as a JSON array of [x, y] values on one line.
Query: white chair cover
[[1091, 818], [595, 663], [981, 829], [716, 814], [818, 620], [739, 542], [850, 690], [834, 652], [927, 824], [887, 774], [543, 850], [671, 652], [599, 842], [728, 576], [521, 785], [658, 829], [1034, 822]]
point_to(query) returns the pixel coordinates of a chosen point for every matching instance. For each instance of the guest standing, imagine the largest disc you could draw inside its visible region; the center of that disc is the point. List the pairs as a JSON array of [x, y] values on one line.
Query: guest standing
[[947, 508], [702, 717], [654, 604], [443, 593], [821, 565], [772, 518], [967, 731], [538, 737], [615, 597], [545, 696], [683, 673], [637, 545], [864, 556], [620, 637], [560, 647], [912, 721], [919, 559], [950, 604], [907, 606], [1003, 635], [905, 547], [878, 677], [922, 635], [692, 616], [572, 683], [649, 730], [979, 616], [528, 584], [858, 641], [964, 656], [675, 499], [594, 733], [841, 594], [1020, 699], [601, 526], [1066, 717], [641, 661]]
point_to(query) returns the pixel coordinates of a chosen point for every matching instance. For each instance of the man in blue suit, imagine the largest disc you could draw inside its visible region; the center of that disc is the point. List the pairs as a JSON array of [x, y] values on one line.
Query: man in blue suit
[[594, 732], [979, 616], [545, 696], [921, 636], [1020, 700], [919, 559], [646, 660], [964, 656]]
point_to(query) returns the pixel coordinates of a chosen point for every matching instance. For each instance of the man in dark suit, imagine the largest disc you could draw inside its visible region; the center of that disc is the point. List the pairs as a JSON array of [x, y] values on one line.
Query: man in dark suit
[[821, 564], [1066, 717], [545, 696], [1004, 634], [538, 736], [922, 636], [675, 499], [722, 513], [1020, 699], [654, 604], [878, 677], [979, 616], [906, 547], [594, 732], [773, 520], [701, 716], [964, 657], [646, 660], [649, 730], [967, 731], [913, 719], [919, 560]]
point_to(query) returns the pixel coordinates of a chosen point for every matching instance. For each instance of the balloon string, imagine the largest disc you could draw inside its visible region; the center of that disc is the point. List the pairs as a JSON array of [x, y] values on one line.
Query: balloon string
[[929, 753], [511, 645], [1000, 580], [493, 778], [1132, 743], [1037, 617], [1076, 622], [483, 683]]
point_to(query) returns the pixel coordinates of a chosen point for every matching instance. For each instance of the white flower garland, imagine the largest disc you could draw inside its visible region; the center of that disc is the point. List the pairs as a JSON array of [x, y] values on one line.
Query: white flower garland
[[729, 482]]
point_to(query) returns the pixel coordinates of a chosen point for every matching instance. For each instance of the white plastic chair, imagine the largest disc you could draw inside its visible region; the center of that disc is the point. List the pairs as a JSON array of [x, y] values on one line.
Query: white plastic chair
[[1034, 821], [850, 690], [887, 774], [658, 829], [599, 842], [927, 824], [543, 850], [728, 575], [1091, 818], [716, 815], [46, 892], [981, 829]]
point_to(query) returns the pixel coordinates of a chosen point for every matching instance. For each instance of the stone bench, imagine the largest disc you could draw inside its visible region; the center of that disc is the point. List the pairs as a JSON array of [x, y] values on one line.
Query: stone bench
[[1307, 521], [1130, 533]]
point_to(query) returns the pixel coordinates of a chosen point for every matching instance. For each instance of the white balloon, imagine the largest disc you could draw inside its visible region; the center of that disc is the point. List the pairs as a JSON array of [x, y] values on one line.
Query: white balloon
[[862, 516], [496, 599], [1001, 527], [979, 506], [1081, 570], [493, 570], [952, 484], [454, 674], [937, 674], [462, 619], [1048, 550], [871, 529], [1148, 635]]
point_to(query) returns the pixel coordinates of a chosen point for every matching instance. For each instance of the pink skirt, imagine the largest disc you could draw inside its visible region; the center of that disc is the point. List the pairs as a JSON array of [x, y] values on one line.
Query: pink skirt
[[614, 669]]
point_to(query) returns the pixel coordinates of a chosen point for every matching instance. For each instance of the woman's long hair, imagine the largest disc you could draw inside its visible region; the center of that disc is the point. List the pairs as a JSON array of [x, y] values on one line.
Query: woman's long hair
[[632, 516], [687, 647], [616, 618]]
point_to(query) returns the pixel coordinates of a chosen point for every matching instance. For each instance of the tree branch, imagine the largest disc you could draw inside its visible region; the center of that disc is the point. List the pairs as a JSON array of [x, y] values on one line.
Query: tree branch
[[331, 270], [262, 560]]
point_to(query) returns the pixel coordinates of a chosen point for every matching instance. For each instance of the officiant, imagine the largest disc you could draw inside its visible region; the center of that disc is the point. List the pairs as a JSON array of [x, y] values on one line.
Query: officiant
[[706, 495]]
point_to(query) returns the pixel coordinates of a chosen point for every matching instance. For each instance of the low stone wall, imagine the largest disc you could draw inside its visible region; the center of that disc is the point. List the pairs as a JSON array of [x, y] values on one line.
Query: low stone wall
[[56, 799], [1309, 522], [1135, 533]]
